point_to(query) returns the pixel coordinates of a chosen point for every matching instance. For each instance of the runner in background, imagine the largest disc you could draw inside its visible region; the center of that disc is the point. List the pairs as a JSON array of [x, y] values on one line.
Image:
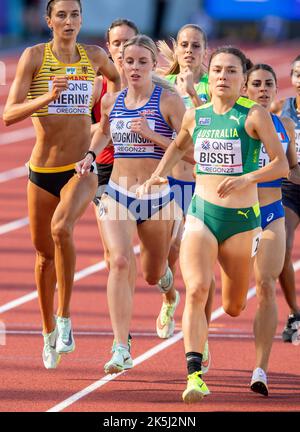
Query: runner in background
[[290, 108], [262, 88]]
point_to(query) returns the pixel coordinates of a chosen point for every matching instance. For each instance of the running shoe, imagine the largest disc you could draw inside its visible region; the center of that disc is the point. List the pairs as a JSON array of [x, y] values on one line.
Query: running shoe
[[205, 359], [291, 327], [196, 388], [65, 342], [50, 357], [165, 323], [128, 342], [121, 360], [259, 382], [166, 282]]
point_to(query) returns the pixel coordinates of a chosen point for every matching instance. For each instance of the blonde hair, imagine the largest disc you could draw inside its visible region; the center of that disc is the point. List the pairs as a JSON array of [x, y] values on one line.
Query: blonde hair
[[169, 54], [146, 42]]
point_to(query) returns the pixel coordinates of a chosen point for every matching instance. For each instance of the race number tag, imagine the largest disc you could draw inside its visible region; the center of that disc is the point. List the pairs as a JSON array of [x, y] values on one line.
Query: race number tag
[[218, 156], [126, 141], [255, 244], [75, 100]]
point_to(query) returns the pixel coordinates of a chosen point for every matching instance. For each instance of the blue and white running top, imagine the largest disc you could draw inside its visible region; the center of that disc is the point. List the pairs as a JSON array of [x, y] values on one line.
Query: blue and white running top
[[129, 144], [264, 158], [289, 110]]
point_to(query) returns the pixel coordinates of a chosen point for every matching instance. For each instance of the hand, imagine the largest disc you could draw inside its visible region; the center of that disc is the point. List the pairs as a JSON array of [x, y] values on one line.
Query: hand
[[83, 167], [140, 126], [59, 84], [185, 81], [232, 184], [145, 188]]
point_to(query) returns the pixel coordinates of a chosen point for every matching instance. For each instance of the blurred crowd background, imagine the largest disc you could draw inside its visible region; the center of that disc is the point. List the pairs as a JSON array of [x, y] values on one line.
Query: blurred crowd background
[[247, 21]]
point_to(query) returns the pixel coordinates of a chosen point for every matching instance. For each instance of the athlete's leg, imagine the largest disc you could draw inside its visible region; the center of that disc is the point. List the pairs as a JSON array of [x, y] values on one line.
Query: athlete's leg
[[198, 254], [287, 276], [75, 197], [118, 236], [236, 265], [267, 266], [41, 206]]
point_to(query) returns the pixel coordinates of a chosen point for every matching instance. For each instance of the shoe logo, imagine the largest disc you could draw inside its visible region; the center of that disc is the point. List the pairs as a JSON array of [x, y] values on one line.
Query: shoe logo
[[69, 342], [53, 346], [232, 117], [55, 69], [240, 212]]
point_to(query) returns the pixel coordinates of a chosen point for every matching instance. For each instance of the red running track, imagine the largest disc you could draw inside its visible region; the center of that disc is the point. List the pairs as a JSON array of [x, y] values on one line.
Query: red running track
[[155, 384]]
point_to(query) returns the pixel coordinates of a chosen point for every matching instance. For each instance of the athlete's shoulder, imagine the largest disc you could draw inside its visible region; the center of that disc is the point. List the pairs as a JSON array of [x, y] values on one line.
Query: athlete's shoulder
[[32, 57], [204, 106], [94, 52]]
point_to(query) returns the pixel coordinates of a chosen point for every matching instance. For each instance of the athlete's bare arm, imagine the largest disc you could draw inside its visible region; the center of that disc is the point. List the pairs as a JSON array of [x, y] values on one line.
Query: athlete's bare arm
[[294, 172], [17, 107]]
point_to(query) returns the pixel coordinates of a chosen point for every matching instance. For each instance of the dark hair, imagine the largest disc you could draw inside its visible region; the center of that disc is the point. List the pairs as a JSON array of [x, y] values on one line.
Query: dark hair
[[245, 62], [261, 66], [293, 63], [119, 22], [52, 2]]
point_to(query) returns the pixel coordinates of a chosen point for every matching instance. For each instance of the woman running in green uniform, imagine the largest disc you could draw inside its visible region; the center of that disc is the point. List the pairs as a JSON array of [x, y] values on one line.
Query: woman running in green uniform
[[223, 221], [54, 85]]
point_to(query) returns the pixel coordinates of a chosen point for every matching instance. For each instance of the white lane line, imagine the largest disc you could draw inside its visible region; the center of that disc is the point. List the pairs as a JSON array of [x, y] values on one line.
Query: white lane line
[[17, 135], [11, 226], [79, 275], [13, 174], [146, 356]]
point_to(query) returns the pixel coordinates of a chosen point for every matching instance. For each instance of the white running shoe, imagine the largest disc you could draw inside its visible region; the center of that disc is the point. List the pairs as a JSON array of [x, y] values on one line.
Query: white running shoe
[[50, 357], [65, 342], [165, 283], [121, 360], [259, 382], [206, 358], [165, 323]]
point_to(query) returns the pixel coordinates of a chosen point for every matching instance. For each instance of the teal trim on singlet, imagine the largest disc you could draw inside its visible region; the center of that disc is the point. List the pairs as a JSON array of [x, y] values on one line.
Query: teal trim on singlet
[[201, 88], [222, 145]]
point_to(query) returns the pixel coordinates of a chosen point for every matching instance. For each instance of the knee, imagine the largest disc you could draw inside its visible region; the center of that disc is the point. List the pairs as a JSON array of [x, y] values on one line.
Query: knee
[[233, 310], [265, 290], [151, 278], [61, 232], [119, 262], [197, 293], [44, 260]]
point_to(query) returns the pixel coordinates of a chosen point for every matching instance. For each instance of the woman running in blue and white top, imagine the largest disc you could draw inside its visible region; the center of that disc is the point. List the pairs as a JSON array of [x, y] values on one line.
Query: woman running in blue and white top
[[261, 87], [135, 159]]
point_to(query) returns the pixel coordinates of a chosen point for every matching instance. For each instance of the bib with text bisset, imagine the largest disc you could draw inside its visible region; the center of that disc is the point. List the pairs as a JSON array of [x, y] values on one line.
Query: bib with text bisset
[[222, 145]]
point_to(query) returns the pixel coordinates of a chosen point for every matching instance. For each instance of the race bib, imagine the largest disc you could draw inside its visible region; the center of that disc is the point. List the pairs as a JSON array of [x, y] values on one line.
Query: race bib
[[126, 141], [75, 100], [264, 157], [218, 156]]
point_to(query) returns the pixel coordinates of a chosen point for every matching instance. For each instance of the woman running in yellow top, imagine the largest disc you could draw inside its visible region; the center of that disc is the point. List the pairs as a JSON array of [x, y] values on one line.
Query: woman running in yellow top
[[53, 85]]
